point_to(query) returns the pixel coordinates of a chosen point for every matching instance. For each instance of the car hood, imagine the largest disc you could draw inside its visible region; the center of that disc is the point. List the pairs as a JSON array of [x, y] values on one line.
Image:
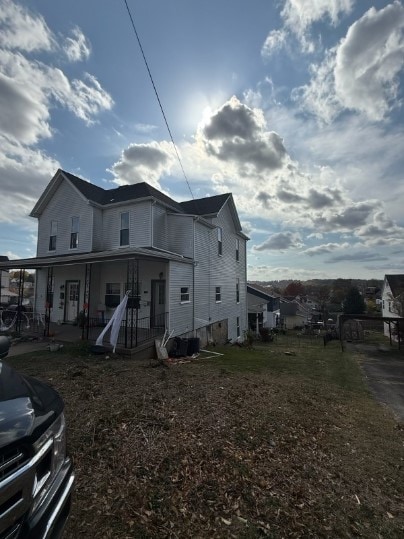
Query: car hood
[[27, 407]]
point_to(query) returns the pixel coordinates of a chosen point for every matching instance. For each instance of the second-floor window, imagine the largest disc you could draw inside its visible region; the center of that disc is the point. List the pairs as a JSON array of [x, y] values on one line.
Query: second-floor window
[[237, 249], [124, 232], [238, 291], [74, 234], [184, 294], [218, 294], [53, 235], [219, 241]]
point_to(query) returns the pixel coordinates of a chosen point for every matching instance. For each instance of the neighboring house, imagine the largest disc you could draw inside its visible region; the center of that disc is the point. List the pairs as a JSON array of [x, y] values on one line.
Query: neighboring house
[[291, 315], [183, 263], [393, 288], [263, 308]]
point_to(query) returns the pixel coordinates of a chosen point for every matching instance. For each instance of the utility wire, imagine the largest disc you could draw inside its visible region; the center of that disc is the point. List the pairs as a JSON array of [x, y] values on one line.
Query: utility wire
[[157, 96]]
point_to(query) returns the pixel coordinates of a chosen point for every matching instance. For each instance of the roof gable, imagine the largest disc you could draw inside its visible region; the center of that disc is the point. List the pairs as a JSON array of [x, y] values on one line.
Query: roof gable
[[204, 207], [396, 283]]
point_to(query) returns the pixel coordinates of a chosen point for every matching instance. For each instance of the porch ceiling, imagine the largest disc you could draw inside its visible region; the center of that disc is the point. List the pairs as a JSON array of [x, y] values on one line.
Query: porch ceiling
[[143, 253]]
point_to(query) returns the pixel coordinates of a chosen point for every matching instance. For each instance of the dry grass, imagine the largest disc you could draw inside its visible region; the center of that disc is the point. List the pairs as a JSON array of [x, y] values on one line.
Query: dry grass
[[253, 444]]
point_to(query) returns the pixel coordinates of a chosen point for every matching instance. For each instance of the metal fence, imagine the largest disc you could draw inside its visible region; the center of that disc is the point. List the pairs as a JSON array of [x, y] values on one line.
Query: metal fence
[[133, 331]]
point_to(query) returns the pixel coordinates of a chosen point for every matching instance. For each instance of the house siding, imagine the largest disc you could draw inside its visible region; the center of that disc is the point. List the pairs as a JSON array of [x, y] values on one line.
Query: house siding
[[180, 234], [181, 314], [139, 225], [224, 272], [65, 204], [159, 226], [97, 229]]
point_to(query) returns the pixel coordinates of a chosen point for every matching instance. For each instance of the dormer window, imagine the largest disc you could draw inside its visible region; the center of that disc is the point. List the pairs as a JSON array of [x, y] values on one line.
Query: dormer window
[[124, 232], [53, 235], [74, 234]]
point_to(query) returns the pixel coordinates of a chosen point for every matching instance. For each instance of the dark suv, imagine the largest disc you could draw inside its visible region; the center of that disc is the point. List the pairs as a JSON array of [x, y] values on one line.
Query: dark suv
[[36, 476]]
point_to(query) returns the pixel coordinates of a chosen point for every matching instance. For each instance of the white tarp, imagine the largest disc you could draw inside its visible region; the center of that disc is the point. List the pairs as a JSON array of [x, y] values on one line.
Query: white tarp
[[115, 322]]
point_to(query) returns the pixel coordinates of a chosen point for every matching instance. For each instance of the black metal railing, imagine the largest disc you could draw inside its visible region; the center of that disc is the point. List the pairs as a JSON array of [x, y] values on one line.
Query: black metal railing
[[133, 331]]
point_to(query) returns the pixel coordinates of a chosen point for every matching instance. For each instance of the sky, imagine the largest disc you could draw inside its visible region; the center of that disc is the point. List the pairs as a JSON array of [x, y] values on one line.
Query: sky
[[293, 106]]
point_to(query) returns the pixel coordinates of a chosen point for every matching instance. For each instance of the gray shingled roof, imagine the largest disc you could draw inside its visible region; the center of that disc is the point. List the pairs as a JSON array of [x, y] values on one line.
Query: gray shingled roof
[[205, 206], [396, 283], [201, 206]]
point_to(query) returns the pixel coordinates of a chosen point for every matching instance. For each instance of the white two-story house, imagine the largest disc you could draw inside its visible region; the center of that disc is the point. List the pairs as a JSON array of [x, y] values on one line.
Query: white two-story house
[[182, 263], [393, 289]]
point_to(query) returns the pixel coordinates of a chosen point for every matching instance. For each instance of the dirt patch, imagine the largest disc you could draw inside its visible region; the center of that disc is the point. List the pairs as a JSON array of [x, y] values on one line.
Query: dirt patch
[[384, 372], [251, 445]]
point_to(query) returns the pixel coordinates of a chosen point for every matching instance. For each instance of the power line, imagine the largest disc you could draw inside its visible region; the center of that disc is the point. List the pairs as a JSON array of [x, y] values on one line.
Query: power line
[[157, 96]]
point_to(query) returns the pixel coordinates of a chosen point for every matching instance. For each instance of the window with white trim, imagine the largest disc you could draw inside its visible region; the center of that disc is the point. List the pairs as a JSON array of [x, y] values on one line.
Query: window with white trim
[[53, 235], [112, 294], [184, 294], [124, 232], [238, 291], [218, 294], [238, 326], [219, 241], [237, 249], [74, 234]]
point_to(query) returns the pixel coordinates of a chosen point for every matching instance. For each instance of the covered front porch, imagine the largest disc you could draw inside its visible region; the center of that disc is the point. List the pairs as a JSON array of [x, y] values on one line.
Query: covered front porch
[[81, 292]]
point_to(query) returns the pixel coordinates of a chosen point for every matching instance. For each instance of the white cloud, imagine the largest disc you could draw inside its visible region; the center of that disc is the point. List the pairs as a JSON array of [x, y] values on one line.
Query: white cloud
[[280, 241], [324, 248], [77, 47], [298, 17], [29, 90], [143, 162], [361, 73], [19, 29]]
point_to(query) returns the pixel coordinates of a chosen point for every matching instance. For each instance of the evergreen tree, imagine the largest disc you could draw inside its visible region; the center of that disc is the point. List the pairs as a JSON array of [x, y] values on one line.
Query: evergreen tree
[[354, 302]]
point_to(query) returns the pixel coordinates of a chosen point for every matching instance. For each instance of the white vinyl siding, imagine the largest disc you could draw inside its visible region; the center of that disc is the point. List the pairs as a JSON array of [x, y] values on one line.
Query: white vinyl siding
[[181, 313], [139, 225], [180, 234], [97, 229], [65, 204], [211, 269], [160, 228]]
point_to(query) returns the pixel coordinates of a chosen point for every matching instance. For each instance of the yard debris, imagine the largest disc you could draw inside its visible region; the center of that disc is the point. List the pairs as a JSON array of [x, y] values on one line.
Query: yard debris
[[245, 445]]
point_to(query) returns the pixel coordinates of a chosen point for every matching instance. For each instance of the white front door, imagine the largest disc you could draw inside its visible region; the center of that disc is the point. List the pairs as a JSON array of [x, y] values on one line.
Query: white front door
[[72, 300]]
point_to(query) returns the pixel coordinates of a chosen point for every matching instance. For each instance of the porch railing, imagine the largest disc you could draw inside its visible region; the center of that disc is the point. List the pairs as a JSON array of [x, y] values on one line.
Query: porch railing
[[133, 332]]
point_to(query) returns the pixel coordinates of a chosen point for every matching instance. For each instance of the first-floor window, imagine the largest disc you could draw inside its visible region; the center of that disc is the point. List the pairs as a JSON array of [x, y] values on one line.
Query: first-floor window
[[124, 233], [218, 294], [184, 293], [74, 235], [53, 235], [112, 294], [238, 326], [238, 291]]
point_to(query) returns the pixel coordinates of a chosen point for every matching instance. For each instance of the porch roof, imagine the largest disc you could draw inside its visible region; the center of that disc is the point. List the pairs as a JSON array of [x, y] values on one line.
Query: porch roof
[[143, 253]]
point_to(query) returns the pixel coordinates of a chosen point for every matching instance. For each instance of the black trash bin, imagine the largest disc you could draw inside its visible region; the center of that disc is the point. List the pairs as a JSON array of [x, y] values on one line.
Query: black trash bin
[[193, 346]]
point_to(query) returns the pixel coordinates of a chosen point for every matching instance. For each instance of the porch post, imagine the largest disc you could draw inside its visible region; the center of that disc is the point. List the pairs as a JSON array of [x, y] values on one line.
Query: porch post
[[132, 285], [86, 302], [49, 300], [19, 301]]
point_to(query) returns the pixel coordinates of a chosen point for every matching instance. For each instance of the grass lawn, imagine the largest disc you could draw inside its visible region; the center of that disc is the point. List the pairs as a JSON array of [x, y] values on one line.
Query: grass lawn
[[255, 443]]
